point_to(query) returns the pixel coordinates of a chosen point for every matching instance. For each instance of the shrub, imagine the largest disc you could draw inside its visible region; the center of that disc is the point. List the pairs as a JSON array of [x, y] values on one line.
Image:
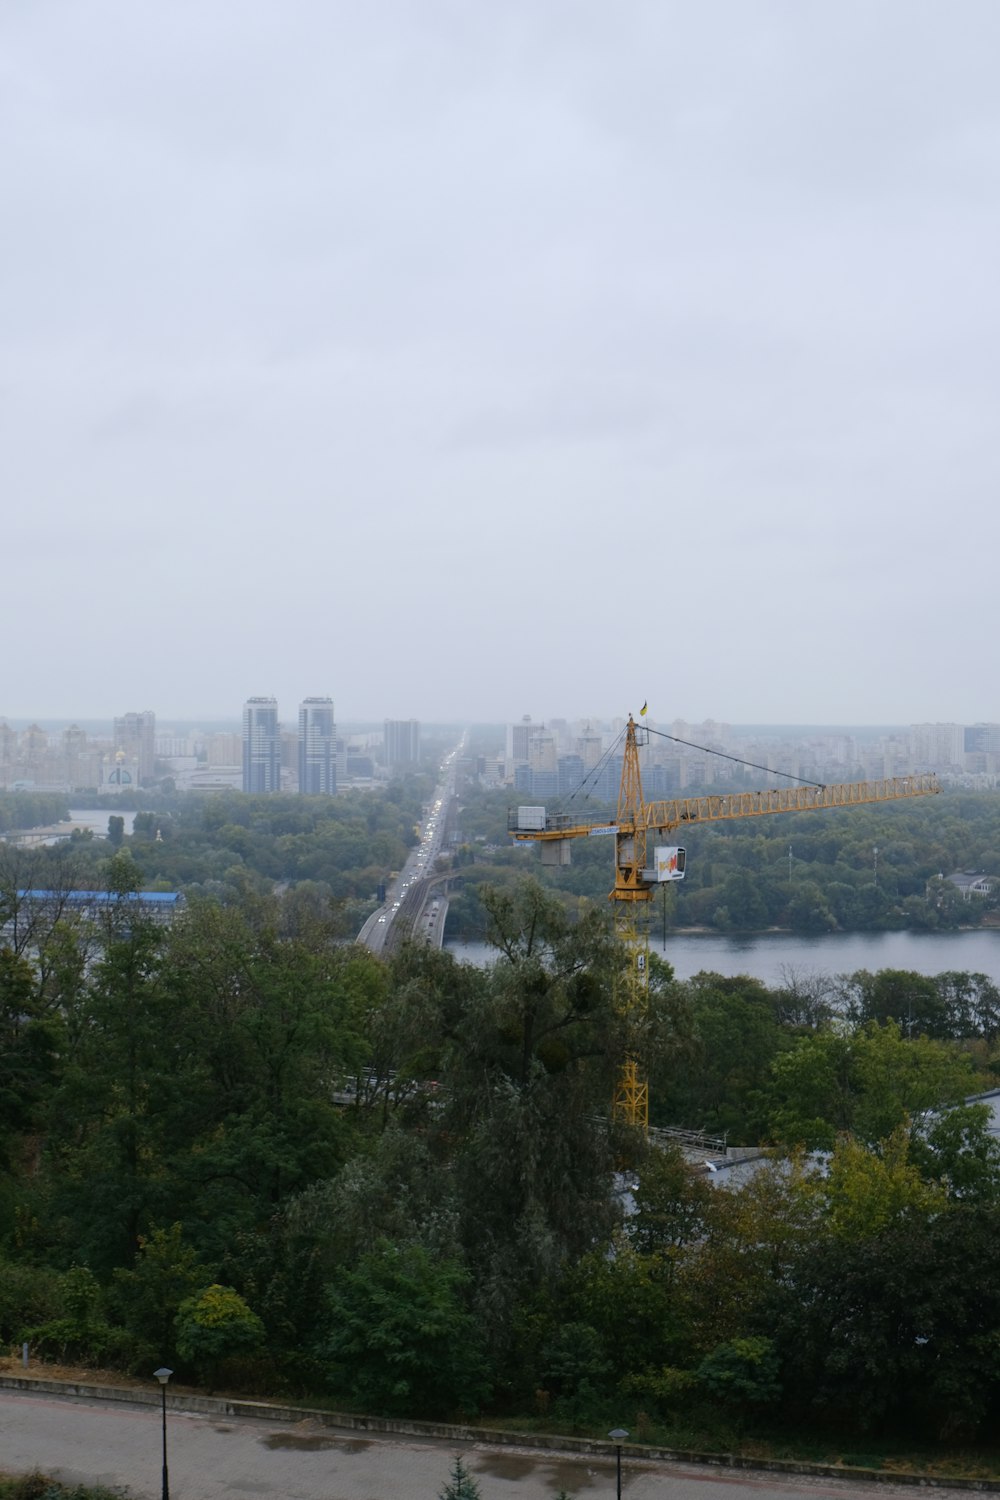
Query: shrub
[[214, 1325]]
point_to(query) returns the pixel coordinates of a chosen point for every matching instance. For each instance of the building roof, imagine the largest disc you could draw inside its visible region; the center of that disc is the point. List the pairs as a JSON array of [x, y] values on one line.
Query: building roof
[[968, 880], [104, 898]]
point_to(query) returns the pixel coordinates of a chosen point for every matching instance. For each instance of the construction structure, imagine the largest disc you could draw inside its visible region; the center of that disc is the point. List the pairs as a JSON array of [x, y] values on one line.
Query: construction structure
[[636, 879]]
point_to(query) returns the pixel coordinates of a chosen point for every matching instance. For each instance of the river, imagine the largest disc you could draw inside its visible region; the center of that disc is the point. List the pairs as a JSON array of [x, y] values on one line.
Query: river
[[773, 956]]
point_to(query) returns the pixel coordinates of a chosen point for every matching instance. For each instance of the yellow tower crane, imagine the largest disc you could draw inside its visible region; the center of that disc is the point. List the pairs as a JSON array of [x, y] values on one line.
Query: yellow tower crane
[[636, 880]]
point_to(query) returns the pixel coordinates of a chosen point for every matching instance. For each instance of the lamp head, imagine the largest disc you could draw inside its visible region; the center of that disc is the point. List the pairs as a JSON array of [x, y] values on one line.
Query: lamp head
[[163, 1374], [618, 1434]]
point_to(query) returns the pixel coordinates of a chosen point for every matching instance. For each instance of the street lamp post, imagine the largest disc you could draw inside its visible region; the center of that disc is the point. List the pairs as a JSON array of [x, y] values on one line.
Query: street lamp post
[[163, 1375], [618, 1436]]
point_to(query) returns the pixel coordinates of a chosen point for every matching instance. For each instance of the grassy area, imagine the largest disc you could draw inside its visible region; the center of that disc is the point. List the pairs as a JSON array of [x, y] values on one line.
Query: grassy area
[[713, 1436], [40, 1487]]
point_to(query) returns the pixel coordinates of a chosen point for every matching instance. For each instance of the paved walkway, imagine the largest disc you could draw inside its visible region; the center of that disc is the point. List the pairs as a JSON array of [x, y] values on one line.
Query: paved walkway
[[212, 1458]]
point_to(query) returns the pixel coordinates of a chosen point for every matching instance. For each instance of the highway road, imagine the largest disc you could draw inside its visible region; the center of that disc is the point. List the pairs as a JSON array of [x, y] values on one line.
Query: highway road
[[213, 1458], [406, 897]]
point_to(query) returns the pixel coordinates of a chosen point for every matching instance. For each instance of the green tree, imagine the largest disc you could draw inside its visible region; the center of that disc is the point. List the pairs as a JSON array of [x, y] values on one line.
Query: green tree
[[957, 1149], [80, 1330], [29, 1039], [575, 1368], [864, 1190], [809, 910], [870, 1082], [736, 1036], [913, 1001], [623, 1306], [399, 1336], [118, 1085], [743, 1373], [742, 908], [147, 1296], [269, 1025], [895, 1332], [812, 1093], [672, 1204], [527, 1070], [724, 1284]]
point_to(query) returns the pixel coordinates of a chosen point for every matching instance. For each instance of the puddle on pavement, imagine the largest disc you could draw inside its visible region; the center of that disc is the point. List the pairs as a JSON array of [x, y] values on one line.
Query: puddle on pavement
[[220, 1429], [314, 1442], [506, 1465], [559, 1474]]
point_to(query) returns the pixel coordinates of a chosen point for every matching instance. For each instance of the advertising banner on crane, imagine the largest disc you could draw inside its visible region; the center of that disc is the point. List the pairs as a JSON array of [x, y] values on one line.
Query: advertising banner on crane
[[669, 862]]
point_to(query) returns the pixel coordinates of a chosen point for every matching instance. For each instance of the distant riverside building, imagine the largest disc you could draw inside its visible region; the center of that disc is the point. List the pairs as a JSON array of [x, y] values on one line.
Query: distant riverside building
[[261, 746], [223, 749], [317, 747], [175, 746], [938, 747], [75, 758], [135, 739], [401, 744], [33, 912]]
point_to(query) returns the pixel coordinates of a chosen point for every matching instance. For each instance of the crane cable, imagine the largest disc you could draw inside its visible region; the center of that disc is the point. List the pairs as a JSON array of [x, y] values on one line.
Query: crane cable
[[595, 771], [735, 758]]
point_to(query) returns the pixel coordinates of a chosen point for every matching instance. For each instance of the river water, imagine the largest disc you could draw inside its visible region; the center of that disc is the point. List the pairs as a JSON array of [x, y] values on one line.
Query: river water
[[774, 956]]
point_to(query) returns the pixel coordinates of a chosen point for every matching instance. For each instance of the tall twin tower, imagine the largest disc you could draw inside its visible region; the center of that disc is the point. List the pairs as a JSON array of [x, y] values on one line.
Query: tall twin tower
[[317, 746]]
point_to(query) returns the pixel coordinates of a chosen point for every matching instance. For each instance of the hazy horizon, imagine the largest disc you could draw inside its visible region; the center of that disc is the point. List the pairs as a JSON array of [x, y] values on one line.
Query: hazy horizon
[[221, 724]]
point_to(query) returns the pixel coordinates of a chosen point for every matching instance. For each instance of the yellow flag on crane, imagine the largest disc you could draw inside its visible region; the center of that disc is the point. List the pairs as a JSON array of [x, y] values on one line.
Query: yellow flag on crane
[[643, 709]]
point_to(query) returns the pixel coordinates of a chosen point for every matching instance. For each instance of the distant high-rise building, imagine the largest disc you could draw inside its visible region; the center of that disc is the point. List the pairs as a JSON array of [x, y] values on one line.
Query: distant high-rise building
[[317, 747], [401, 744], [982, 738], [74, 749], [34, 745], [543, 750], [518, 742], [135, 737], [589, 747], [261, 746], [8, 752]]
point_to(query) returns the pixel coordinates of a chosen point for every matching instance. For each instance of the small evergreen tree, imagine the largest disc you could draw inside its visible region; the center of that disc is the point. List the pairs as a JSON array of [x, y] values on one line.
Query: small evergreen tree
[[461, 1485]]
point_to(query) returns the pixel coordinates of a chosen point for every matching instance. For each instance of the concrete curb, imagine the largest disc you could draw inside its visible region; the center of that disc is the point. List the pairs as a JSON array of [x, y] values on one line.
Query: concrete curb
[[268, 1411]]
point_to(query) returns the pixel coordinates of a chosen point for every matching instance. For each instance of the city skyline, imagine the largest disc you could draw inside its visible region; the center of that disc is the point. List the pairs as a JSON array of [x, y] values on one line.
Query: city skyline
[[539, 758]]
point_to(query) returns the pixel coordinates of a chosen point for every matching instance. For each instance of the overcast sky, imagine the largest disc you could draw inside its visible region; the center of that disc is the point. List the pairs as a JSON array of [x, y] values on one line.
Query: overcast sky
[[462, 360]]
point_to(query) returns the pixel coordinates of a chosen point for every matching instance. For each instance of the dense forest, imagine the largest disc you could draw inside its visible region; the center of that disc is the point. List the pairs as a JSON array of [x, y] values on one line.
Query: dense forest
[[245, 1148], [334, 851]]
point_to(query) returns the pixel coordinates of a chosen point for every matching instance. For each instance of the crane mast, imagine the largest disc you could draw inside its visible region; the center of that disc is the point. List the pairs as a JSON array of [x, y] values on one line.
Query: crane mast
[[635, 881]]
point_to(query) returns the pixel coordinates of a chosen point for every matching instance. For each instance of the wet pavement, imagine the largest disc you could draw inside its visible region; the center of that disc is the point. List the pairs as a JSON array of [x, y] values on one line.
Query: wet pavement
[[103, 1442]]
